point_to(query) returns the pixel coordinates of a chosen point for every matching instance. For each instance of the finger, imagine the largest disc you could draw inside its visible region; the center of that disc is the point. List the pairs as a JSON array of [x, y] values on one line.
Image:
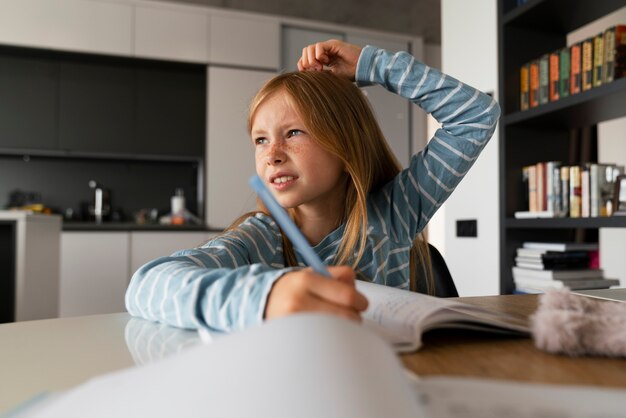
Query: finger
[[314, 64], [300, 66], [321, 53], [337, 292]]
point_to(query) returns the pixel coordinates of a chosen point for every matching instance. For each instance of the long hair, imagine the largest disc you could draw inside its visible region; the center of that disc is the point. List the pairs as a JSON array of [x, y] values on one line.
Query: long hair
[[339, 118]]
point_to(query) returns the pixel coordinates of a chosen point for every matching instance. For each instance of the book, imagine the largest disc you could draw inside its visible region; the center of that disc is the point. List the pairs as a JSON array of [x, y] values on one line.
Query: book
[[565, 190], [534, 84], [561, 246], [615, 295], [554, 76], [402, 317], [580, 284], [542, 253], [614, 54], [524, 87], [598, 59], [564, 72], [541, 186], [574, 192], [544, 79], [550, 190], [547, 275], [528, 214], [532, 189], [584, 193], [586, 66], [309, 365], [575, 76]]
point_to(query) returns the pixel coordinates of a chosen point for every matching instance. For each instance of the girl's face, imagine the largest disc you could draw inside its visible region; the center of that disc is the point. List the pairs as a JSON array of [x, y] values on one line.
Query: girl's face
[[299, 172]]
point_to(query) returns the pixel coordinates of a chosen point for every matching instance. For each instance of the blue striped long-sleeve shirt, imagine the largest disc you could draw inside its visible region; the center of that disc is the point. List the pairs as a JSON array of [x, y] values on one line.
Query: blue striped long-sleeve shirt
[[224, 284]]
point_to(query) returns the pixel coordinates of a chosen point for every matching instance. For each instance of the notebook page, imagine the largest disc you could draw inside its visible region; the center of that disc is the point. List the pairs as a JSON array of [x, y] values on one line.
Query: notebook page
[[399, 315], [299, 366]]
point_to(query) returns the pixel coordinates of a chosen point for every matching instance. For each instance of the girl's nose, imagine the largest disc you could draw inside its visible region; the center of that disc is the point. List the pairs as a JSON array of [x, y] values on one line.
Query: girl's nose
[[275, 156]]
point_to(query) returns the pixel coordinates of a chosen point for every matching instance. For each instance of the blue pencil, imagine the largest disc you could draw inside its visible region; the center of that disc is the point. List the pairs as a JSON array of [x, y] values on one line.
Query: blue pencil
[[289, 227]]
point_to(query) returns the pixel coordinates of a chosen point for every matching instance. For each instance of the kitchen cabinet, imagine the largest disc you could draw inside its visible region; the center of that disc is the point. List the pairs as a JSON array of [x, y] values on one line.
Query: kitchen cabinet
[[28, 97], [170, 111], [242, 40], [230, 153], [94, 272], [147, 246], [171, 33], [392, 111], [74, 25], [294, 39], [96, 104]]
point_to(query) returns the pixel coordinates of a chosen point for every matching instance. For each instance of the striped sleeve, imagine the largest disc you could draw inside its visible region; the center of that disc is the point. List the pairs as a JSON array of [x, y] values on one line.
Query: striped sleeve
[[222, 286], [468, 119]]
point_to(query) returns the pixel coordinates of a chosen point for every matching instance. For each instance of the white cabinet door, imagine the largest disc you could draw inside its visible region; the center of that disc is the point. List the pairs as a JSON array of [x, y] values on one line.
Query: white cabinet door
[[147, 246], [76, 25], [180, 34], [230, 154], [94, 272], [244, 40], [392, 111]]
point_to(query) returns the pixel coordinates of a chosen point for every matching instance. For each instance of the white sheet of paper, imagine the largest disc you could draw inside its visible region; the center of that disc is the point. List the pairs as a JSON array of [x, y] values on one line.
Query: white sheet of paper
[[299, 366]]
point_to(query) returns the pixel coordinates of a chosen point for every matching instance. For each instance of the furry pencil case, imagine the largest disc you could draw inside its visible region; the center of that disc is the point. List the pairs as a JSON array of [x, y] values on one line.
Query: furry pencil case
[[576, 325]]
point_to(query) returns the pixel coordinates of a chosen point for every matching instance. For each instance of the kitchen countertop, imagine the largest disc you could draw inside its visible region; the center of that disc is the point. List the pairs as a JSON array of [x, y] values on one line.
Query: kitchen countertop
[[131, 226]]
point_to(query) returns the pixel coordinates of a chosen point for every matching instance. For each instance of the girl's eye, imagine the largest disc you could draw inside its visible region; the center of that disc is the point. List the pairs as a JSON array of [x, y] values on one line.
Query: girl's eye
[[260, 141], [294, 132]]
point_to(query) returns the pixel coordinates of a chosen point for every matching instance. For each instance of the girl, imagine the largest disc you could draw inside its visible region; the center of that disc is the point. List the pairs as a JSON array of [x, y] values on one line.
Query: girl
[[319, 148]]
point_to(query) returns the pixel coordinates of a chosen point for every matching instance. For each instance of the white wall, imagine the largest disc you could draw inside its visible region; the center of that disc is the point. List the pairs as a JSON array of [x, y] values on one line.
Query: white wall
[[469, 53], [611, 149]]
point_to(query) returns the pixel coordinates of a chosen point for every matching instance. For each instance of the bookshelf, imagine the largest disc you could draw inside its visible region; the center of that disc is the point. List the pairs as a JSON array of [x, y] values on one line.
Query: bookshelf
[[546, 132]]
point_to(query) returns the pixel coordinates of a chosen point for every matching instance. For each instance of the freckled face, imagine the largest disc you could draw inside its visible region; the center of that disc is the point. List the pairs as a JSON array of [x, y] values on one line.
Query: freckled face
[[290, 162]]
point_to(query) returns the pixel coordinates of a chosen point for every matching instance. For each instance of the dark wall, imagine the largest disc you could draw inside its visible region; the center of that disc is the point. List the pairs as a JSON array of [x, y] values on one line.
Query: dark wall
[[63, 182]]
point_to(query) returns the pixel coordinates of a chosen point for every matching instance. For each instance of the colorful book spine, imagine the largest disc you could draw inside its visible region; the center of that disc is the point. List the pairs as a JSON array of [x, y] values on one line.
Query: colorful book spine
[[598, 58], [609, 55], [532, 188], [584, 193], [587, 64], [558, 196], [524, 86], [614, 53], [554, 76], [575, 68], [534, 84], [550, 166], [574, 192], [544, 79], [565, 190], [541, 193], [564, 71]]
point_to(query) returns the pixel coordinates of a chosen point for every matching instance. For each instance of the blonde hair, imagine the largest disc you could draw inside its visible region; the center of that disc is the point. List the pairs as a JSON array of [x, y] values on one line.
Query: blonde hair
[[340, 119]]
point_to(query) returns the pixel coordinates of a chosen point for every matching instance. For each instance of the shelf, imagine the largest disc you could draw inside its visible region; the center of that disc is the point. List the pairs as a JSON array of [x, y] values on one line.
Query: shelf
[[566, 223], [546, 15], [27, 153], [586, 108], [131, 226]]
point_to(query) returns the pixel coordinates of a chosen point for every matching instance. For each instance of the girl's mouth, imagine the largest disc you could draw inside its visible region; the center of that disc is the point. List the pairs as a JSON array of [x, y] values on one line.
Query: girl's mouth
[[283, 182]]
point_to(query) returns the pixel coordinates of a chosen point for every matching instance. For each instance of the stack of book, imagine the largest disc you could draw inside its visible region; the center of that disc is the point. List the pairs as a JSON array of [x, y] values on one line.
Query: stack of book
[[553, 190], [595, 61], [540, 266]]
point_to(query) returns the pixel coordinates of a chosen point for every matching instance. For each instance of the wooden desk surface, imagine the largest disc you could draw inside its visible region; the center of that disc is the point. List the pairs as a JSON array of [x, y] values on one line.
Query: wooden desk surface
[[476, 355]]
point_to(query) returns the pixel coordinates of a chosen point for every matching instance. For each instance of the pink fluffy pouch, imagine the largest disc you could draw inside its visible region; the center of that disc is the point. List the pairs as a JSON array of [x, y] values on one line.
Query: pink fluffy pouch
[[577, 325]]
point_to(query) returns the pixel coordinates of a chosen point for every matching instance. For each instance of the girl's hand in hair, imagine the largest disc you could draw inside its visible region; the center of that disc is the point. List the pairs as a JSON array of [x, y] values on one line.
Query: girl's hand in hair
[[335, 56], [307, 291]]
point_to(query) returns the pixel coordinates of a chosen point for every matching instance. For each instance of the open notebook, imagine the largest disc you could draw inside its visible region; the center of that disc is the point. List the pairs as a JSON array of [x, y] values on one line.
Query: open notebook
[[402, 317], [308, 366]]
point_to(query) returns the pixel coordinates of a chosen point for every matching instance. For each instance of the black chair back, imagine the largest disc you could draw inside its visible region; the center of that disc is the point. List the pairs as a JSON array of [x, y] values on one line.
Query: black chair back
[[444, 285]]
